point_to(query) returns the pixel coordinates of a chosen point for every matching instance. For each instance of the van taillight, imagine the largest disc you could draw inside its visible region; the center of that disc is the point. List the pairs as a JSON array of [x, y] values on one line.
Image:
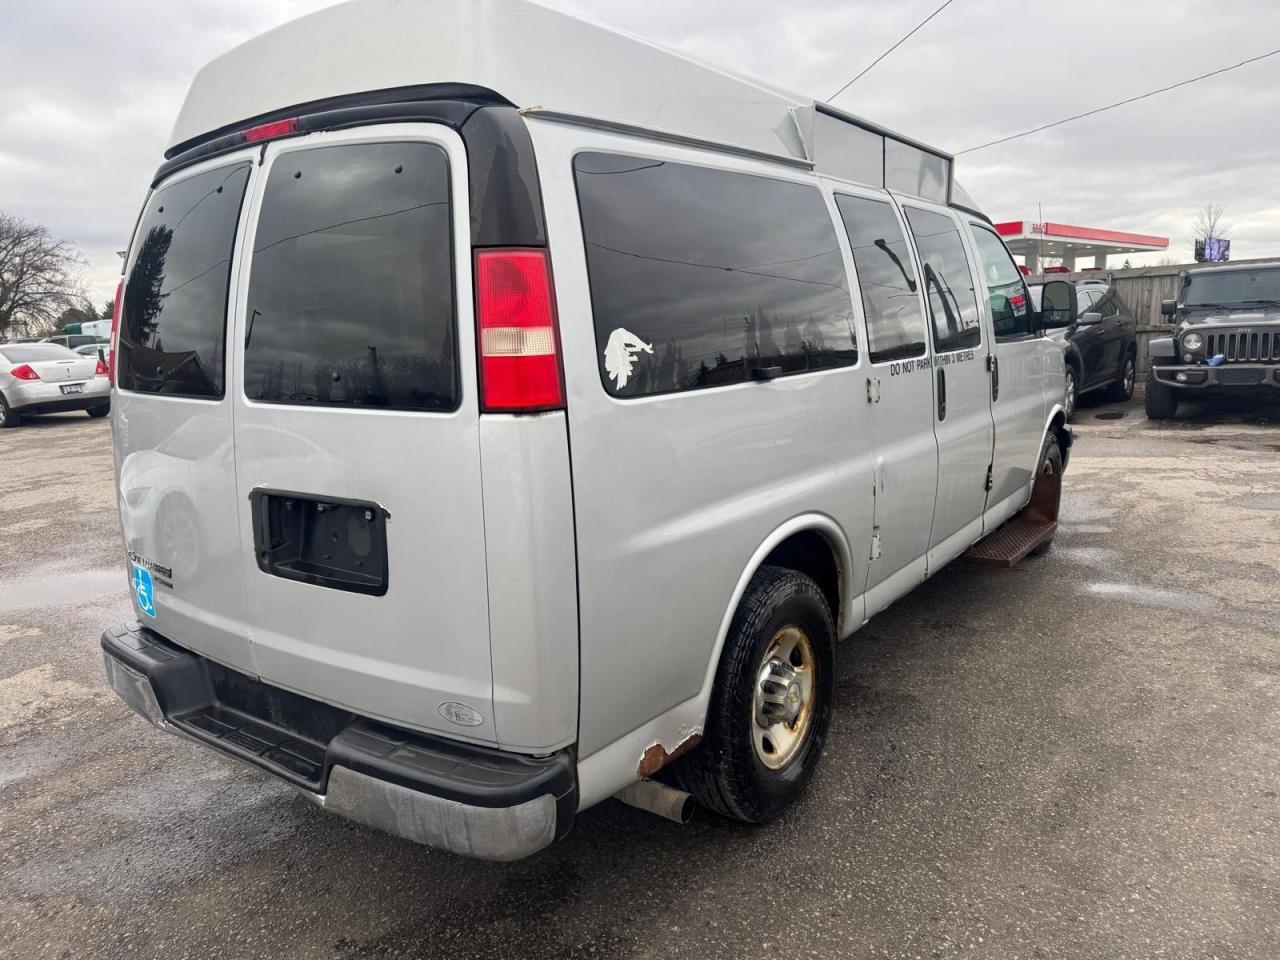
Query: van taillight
[[23, 371], [516, 326], [115, 331]]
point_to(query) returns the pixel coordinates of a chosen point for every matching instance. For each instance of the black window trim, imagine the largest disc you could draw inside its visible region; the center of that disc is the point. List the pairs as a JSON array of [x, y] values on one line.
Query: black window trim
[[1026, 292], [927, 206], [374, 134], [882, 195], [223, 161], [810, 180]]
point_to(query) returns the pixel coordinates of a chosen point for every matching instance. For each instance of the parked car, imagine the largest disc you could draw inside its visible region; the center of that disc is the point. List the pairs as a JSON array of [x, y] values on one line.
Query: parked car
[[798, 380], [38, 378], [72, 340], [1100, 343], [99, 350], [1226, 338]]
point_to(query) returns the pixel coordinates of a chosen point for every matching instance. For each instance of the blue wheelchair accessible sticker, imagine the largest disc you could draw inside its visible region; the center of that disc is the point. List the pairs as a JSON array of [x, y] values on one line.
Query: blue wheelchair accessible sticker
[[144, 591]]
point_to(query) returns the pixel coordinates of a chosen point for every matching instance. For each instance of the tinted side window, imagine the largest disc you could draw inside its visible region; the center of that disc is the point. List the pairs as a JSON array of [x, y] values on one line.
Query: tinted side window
[[896, 327], [1006, 290], [947, 279], [173, 323], [351, 290], [698, 276]]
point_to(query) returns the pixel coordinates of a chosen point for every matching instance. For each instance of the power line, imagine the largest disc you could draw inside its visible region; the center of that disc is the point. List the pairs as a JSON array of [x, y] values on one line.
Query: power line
[[1120, 103], [890, 50]]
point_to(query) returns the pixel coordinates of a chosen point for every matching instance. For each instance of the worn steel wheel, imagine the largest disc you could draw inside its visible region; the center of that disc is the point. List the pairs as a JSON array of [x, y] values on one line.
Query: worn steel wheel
[[770, 710]]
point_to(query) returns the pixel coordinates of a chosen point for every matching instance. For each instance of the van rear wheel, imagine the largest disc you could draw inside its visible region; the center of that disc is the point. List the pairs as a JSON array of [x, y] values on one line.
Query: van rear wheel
[[771, 707]]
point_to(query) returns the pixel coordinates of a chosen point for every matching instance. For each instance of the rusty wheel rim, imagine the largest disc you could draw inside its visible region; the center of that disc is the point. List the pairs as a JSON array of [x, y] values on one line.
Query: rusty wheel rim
[[783, 705]]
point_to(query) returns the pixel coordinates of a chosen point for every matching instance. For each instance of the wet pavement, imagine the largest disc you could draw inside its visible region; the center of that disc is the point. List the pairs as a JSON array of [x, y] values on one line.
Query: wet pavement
[[1076, 758]]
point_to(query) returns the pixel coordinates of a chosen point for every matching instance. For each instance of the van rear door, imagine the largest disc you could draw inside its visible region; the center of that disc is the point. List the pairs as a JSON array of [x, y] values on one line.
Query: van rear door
[[357, 450], [172, 428]]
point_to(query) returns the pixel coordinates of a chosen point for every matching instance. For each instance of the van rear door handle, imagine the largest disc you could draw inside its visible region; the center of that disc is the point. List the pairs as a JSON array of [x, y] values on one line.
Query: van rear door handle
[[942, 394]]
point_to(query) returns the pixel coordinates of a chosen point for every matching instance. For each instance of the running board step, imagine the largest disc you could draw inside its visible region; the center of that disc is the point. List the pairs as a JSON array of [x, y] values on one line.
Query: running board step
[[1012, 542]]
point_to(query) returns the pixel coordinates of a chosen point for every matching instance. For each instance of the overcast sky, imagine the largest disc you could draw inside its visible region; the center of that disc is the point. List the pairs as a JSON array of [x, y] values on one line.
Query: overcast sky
[[90, 91]]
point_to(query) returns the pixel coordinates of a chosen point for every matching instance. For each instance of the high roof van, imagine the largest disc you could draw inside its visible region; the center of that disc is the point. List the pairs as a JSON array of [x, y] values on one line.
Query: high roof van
[[510, 414]]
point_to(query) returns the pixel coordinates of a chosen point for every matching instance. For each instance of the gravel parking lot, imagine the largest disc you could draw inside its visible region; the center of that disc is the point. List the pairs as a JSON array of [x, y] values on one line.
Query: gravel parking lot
[[1076, 758]]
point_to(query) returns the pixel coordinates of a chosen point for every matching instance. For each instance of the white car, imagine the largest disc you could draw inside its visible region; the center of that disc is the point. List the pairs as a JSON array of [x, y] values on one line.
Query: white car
[[38, 378]]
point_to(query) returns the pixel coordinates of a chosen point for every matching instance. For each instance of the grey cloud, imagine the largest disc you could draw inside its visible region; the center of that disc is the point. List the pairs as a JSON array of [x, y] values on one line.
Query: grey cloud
[[91, 90]]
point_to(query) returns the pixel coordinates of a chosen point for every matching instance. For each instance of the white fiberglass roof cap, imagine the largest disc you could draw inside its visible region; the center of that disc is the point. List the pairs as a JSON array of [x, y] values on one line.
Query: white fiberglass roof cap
[[530, 55]]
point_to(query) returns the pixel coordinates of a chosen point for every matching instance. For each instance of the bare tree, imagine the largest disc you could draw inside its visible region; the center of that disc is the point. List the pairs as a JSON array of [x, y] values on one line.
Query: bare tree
[[39, 277], [1209, 223]]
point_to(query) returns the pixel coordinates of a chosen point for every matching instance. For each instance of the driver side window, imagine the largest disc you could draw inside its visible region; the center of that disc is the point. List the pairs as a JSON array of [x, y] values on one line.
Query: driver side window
[[1006, 290]]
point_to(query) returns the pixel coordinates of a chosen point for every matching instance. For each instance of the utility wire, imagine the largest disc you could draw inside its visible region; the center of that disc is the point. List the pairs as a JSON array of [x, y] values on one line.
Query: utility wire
[[890, 50], [1119, 103]]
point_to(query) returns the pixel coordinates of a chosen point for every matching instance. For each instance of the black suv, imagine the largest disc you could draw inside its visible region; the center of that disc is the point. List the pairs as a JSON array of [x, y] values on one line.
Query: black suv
[[1226, 338], [1099, 343]]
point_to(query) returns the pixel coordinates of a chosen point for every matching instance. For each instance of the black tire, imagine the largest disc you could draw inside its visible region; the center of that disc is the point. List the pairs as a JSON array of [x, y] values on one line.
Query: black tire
[[1070, 391], [99, 411], [725, 773], [1050, 459], [1161, 400], [1122, 390], [8, 418]]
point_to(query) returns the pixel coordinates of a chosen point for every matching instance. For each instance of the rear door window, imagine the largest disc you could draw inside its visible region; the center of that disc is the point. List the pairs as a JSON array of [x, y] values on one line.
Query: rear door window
[[896, 327], [351, 299], [947, 279], [173, 323], [700, 276]]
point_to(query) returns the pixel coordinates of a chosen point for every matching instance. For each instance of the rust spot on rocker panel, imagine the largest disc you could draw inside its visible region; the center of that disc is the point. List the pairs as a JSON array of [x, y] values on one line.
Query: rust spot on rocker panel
[[656, 757]]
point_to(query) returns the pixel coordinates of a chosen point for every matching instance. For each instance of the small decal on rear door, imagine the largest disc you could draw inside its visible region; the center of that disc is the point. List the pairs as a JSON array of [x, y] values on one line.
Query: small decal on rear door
[[144, 591], [620, 355]]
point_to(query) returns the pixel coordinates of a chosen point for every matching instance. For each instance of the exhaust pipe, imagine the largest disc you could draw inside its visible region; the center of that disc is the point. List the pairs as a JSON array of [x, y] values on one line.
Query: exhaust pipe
[[655, 797]]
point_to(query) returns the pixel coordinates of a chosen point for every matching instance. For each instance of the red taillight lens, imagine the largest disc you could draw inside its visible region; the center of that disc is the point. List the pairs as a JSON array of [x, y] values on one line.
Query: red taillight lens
[[516, 326], [269, 131], [23, 371], [101, 369], [115, 330]]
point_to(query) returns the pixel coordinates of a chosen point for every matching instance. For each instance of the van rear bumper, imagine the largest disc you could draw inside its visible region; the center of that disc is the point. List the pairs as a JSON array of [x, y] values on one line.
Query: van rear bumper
[[471, 800]]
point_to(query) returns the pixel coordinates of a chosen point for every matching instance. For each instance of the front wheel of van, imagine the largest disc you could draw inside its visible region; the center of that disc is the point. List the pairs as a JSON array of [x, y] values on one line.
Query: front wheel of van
[[771, 707]]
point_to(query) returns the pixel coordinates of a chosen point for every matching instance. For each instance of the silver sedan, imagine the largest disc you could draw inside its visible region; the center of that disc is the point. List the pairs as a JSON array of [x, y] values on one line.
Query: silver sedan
[[40, 378]]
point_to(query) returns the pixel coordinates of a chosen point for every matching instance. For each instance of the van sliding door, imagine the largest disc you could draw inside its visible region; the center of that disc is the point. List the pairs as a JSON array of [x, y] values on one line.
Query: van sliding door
[[899, 394]]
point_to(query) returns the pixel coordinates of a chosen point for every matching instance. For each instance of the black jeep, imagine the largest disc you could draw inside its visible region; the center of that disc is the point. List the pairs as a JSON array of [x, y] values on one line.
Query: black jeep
[[1226, 338]]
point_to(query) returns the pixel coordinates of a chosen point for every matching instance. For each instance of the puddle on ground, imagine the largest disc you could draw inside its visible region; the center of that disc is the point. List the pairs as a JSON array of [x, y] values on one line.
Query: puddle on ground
[[1260, 501], [1182, 601], [61, 587], [1089, 556], [1067, 526], [1109, 415]]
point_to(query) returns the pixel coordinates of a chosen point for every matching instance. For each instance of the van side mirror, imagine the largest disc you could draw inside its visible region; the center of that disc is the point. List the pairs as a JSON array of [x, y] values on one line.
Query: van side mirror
[[1058, 304], [1168, 308]]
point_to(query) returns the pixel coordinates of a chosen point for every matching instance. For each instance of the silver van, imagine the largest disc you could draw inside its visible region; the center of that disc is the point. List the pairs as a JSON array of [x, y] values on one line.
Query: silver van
[[510, 414]]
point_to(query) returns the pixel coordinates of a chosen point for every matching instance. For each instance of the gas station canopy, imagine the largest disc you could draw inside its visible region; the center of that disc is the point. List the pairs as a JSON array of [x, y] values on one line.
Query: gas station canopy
[[1032, 241]]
